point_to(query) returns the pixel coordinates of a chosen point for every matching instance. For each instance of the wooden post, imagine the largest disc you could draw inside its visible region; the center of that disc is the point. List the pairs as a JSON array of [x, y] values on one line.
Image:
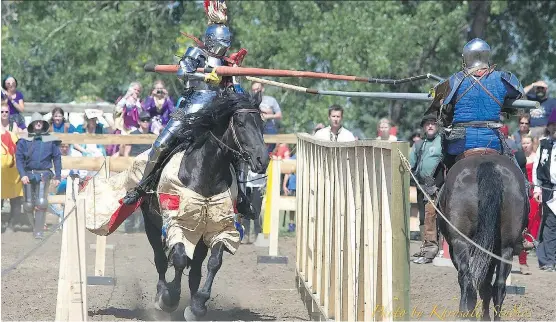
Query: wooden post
[[274, 219], [72, 281], [100, 254]]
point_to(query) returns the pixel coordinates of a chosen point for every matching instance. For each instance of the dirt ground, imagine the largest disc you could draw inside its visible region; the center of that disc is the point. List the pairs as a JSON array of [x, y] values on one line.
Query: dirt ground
[[243, 289]]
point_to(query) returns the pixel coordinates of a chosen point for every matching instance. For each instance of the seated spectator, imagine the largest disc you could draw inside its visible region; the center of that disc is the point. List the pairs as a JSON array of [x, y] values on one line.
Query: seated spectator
[[384, 129], [335, 131], [15, 101], [58, 122], [91, 125], [159, 106], [281, 152], [12, 188], [133, 150]]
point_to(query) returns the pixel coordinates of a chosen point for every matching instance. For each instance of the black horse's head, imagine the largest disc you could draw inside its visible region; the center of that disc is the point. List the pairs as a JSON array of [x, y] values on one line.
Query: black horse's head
[[235, 121]]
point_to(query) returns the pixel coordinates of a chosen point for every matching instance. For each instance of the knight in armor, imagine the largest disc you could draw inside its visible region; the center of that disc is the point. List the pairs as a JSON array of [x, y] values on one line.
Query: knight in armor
[[200, 90], [470, 102], [35, 155]]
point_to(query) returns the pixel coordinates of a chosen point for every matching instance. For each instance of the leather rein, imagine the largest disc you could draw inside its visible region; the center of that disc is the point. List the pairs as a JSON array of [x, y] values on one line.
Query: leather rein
[[241, 153]]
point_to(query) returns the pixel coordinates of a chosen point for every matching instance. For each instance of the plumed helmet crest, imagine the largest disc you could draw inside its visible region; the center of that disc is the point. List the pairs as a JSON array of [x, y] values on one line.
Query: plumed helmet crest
[[216, 11]]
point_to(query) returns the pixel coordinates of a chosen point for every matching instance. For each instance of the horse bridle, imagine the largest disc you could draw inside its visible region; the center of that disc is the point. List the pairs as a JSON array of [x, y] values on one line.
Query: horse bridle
[[241, 153]]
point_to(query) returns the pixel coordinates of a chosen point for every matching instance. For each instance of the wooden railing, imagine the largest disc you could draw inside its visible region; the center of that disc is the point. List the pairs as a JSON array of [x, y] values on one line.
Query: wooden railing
[[352, 226]]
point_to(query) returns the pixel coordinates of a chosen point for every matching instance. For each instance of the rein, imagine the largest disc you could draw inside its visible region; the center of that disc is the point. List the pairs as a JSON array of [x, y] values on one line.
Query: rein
[[242, 154]]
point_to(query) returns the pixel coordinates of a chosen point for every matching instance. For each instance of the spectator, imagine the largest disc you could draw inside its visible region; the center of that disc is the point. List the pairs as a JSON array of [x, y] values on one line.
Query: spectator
[[524, 122], [254, 190], [335, 131], [425, 159], [8, 123], [535, 209], [415, 137], [538, 91], [159, 105], [282, 151], [58, 122], [133, 150], [91, 125], [317, 127], [289, 188], [505, 130], [271, 112], [129, 106], [12, 187], [543, 170], [35, 156], [384, 130], [15, 101]]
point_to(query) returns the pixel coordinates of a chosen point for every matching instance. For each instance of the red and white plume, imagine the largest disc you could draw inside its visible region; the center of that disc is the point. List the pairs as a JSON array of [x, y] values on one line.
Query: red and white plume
[[216, 11]]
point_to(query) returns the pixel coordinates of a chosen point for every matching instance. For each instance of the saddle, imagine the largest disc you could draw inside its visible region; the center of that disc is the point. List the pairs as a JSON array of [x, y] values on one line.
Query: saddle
[[476, 151]]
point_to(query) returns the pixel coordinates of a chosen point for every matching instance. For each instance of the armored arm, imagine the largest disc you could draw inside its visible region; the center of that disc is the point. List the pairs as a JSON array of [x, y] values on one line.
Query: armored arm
[[191, 60], [515, 91], [442, 109]]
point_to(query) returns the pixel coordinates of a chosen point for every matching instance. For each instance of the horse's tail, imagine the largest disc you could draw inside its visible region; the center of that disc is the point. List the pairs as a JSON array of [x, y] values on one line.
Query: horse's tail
[[490, 202]]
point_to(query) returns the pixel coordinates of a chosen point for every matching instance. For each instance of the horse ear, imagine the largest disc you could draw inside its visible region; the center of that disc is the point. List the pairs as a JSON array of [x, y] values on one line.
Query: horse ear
[[257, 98]]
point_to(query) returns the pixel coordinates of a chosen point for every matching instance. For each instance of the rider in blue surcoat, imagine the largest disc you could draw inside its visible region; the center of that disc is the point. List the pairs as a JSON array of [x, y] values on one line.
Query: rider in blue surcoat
[[470, 102]]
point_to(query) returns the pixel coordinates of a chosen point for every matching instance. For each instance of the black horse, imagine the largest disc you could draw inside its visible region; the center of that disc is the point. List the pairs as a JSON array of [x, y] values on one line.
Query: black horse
[[485, 197], [227, 130]]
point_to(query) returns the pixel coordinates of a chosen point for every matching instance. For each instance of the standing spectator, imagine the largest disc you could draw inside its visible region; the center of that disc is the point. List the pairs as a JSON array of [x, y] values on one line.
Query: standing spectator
[[335, 131], [384, 130], [538, 91], [544, 169], [35, 156], [12, 187], [129, 106], [15, 100], [524, 123], [271, 112], [425, 159], [289, 188], [535, 209], [58, 122], [159, 105], [255, 186]]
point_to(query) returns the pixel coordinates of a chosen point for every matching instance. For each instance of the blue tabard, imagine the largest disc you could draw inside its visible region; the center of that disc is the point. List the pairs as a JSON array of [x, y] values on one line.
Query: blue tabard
[[475, 104]]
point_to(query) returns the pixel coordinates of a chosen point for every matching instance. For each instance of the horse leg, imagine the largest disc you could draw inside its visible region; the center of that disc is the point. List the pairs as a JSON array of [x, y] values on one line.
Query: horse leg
[[502, 274], [468, 298], [199, 256], [162, 297], [199, 299], [180, 261], [485, 291]]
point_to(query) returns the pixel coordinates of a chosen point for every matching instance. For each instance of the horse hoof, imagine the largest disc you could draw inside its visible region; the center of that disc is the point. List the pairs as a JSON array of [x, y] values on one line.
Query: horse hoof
[[161, 306], [188, 314]]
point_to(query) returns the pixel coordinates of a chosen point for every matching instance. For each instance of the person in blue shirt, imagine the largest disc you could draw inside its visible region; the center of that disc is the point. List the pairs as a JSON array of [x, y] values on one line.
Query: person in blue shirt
[[289, 188], [35, 155]]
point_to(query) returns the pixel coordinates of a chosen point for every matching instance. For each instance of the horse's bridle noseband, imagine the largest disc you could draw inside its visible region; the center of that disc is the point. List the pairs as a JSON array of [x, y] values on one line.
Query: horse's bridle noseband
[[242, 154]]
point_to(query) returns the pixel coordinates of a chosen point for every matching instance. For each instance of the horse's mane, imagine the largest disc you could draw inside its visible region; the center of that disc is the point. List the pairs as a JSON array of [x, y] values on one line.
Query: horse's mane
[[196, 126]]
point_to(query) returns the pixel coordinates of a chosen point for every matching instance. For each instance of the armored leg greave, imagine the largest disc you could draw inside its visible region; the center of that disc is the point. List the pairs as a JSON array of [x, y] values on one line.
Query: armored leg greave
[[41, 205], [159, 150]]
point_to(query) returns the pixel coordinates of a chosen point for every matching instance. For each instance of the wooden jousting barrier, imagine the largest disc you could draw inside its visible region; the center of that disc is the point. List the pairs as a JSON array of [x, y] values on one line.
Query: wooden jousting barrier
[[352, 223]]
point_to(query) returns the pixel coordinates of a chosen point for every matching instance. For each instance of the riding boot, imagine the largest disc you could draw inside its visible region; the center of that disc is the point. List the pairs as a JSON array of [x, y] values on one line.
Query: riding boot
[[158, 152], [243, 204]]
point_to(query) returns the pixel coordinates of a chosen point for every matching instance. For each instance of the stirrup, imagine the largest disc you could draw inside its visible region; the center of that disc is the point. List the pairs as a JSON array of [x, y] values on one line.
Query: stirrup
[[133, 196]]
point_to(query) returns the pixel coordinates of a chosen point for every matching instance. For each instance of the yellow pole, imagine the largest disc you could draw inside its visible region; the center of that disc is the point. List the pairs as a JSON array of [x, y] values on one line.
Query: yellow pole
[[268, 202]]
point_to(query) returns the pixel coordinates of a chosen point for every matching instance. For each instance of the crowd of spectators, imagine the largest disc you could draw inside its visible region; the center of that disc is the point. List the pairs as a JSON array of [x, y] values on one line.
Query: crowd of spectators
[[137, 114]]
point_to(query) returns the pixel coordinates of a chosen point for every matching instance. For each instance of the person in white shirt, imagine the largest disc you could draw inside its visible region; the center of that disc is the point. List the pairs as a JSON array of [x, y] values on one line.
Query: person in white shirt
[[335, 131]]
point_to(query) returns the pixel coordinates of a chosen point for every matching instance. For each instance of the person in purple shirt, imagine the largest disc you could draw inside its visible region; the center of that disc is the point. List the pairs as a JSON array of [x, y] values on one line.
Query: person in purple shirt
[[15, 100], [159, 105]]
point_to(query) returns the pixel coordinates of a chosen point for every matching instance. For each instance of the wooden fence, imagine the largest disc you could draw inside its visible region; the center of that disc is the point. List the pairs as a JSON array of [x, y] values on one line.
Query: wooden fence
[[352, 226]]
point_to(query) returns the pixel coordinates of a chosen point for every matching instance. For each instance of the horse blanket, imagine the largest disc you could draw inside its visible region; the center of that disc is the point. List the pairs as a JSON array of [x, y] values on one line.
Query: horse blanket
[[187, 216]]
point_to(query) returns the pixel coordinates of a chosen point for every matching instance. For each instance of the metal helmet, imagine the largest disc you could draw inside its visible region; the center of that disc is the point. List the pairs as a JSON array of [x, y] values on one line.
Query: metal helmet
[[476, 54], [218, 39]]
